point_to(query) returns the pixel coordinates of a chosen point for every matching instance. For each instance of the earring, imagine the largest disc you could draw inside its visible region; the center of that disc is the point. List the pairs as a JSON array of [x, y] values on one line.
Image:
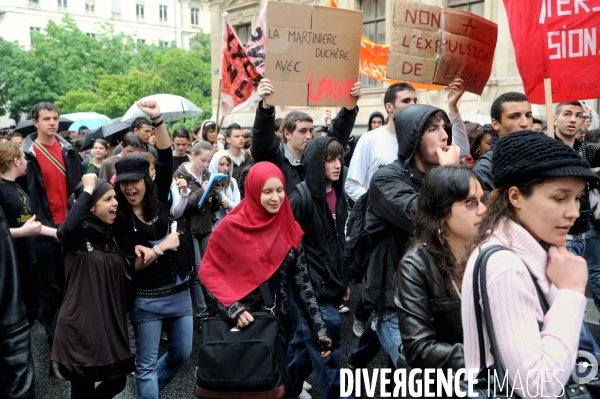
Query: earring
[[441, 236]]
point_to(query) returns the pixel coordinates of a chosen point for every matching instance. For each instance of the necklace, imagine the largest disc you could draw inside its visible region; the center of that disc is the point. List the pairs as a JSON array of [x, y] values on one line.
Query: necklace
[[143, 220]]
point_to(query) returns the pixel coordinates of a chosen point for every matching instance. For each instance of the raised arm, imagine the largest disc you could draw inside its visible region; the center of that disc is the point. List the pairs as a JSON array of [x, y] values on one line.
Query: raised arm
[[459, 131], [265, 144], [343, 123], [69, 232]]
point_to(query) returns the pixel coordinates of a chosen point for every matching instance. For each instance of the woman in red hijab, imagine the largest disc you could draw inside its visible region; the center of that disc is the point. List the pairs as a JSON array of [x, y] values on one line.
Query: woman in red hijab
[[259, 241]]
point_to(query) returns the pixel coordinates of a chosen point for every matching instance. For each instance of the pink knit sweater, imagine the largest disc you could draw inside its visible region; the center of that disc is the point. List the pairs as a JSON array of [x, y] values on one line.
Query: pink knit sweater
[[537, 355]]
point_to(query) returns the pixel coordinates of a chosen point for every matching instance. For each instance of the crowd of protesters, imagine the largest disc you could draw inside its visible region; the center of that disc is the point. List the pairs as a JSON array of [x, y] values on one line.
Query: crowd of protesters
[[137, 234]]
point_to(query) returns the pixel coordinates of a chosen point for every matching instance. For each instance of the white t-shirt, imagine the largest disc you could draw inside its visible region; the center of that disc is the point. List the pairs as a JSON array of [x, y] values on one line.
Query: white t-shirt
[[375, 149], [379, 147]]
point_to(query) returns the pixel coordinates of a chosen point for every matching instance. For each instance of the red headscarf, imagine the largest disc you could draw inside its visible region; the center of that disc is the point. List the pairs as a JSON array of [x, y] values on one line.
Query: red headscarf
[[250, 243]]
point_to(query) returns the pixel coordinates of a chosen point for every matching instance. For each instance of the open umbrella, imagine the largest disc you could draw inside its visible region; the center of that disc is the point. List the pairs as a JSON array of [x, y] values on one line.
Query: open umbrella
[[114, 126], [91, 120], [27, 127], [172, 107]]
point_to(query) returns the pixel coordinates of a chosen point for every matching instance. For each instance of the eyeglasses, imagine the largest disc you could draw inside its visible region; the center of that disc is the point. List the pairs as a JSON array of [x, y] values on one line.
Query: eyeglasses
[[473, 204]]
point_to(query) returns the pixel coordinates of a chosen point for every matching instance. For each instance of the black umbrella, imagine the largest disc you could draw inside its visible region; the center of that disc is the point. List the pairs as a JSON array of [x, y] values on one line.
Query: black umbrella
[[27, 127], [114, 126]]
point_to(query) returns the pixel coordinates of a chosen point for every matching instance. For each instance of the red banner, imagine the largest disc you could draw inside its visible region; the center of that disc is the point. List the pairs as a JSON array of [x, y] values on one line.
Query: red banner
[[257, 43], [239, 77], [557, 39]]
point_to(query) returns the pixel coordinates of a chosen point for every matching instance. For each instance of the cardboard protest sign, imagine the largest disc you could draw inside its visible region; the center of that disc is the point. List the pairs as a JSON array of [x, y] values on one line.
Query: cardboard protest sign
[[432, 44], [312, 54], [557, 39]]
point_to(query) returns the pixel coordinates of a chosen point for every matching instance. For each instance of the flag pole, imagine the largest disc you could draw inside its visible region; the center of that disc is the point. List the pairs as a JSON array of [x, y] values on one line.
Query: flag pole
[[218, 107], [548, 98]]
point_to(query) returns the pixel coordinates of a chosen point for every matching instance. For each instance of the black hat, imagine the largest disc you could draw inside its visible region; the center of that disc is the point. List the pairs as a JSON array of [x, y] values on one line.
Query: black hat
[[527, 155], [132, 167]]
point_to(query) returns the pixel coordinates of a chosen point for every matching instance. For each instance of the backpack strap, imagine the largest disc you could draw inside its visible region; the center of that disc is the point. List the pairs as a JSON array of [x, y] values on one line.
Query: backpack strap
[[50, 157], [307, 205]]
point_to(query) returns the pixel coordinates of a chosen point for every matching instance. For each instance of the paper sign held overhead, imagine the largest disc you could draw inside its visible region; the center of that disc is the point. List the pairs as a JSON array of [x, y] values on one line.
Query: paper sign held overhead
[[432, 44], [312, 54]]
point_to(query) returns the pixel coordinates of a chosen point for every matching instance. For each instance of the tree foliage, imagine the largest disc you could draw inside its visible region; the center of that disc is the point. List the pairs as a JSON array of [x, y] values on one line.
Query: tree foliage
[[105, 73]]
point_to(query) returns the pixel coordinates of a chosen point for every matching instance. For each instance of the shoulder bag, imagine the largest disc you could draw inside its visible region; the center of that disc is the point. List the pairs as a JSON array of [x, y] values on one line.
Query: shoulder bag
[[485, 382], [246, 363]]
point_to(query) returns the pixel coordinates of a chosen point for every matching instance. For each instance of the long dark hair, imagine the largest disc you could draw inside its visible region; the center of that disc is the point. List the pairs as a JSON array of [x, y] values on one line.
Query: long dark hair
[[498, 207], [442, 187], [150, 200]]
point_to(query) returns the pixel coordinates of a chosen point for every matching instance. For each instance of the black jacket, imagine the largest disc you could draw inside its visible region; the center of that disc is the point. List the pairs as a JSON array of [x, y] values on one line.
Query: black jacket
[[323, 239], [393, 194], [429, 317], [200, 219], [33, 183], [266, 146], [15, 342]]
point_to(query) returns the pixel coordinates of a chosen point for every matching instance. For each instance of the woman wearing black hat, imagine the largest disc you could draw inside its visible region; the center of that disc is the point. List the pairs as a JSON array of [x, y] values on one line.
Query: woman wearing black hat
[[538, 183], [91, 342], [143, 230]]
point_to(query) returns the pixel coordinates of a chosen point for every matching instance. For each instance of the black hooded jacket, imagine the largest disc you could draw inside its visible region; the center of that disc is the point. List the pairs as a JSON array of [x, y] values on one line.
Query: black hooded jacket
[[323, 239], [393, 194], [33, 183], [15, 342], [266, 146]]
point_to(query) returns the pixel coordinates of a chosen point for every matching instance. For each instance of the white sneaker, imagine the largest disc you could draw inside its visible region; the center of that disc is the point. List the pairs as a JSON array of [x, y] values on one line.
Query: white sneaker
[[306, 386], [344, 309], [304, 395]]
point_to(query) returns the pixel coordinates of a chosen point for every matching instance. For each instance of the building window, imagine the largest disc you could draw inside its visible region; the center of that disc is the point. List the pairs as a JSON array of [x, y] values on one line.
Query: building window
[[163, 43], [243, 32], [475, 6], [34, 3], [373, 28], [90, 6], [141, 40], [162, 12], [139, 11], [31, 30], [62, 4], [91, 34], [195, 13]]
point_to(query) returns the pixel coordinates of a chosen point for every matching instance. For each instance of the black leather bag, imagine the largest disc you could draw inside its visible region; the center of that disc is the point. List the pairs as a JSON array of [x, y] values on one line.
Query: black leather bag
[[484, 386], [243, 363]]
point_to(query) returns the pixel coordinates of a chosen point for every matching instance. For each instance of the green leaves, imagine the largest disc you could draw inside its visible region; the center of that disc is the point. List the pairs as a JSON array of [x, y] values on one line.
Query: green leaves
[[105, 73]]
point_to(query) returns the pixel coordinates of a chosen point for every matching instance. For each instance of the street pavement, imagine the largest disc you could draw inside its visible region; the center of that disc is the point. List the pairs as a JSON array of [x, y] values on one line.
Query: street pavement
[[183, 384]]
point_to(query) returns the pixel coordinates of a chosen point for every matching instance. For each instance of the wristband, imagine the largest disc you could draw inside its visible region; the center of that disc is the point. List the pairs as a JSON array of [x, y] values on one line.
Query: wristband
[[155, 125], [156, 117], [157, 251]]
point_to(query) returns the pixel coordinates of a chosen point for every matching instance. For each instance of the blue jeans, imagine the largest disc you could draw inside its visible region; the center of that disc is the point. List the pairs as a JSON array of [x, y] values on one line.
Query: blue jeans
[[389, 335], [151, 375], [196, 291], [592, 257], [303, 352], [576, 247]]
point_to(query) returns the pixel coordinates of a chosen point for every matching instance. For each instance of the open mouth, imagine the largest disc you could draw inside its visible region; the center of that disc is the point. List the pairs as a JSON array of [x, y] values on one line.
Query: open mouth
[[113, 213], [131, 197]]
